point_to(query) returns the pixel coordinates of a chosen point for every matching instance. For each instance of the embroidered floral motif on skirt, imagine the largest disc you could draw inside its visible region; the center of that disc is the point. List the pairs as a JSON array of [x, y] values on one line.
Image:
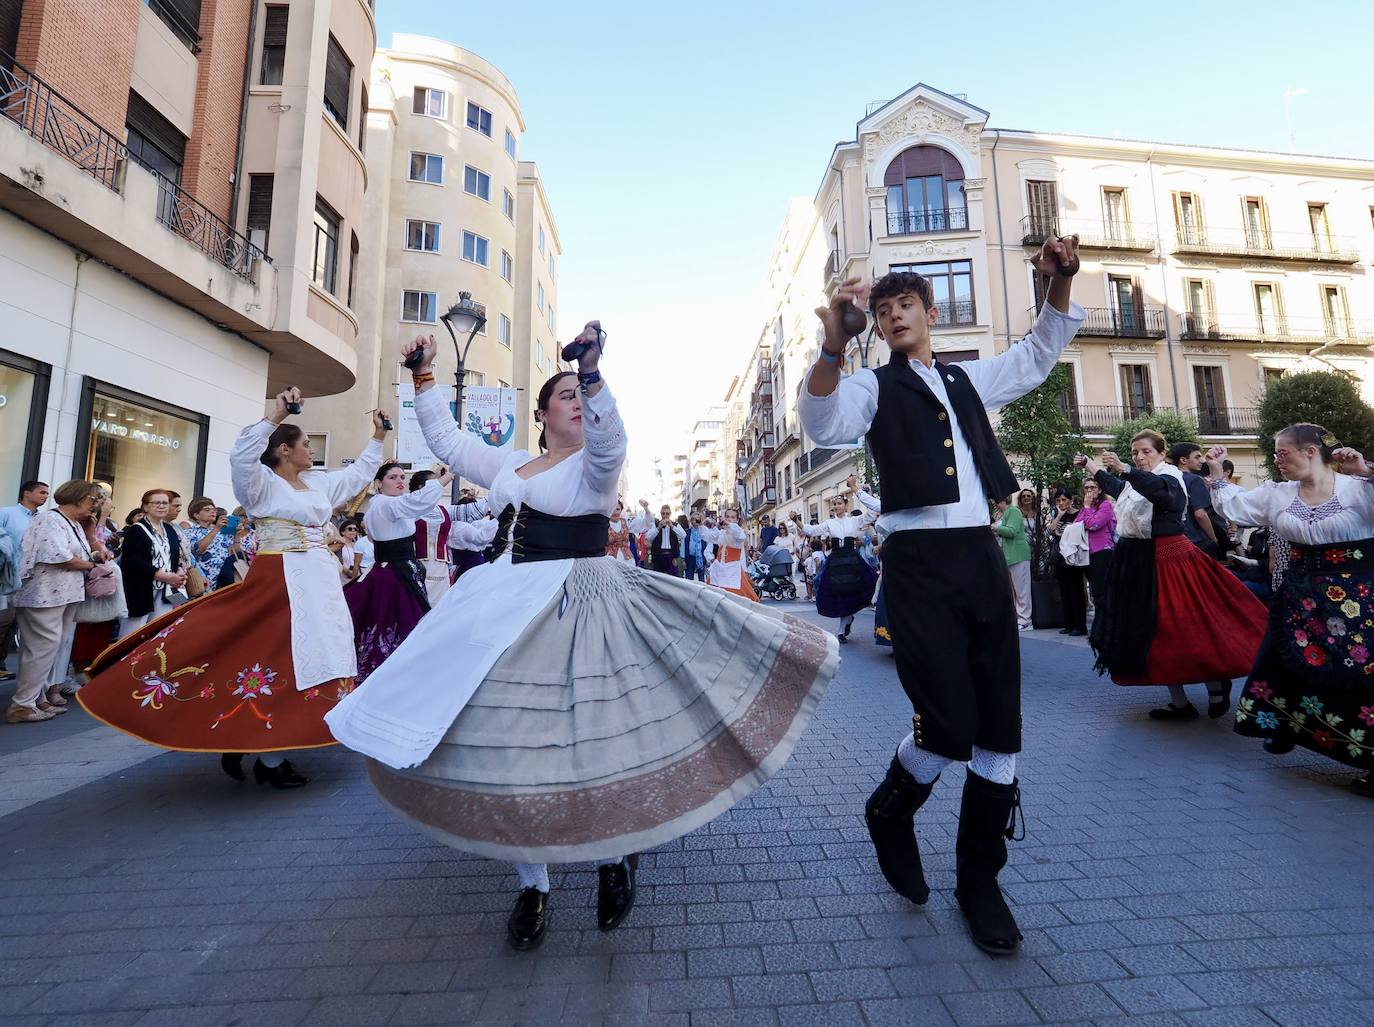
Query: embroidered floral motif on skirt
[[385, 608], [1313, 682], [215, 675]]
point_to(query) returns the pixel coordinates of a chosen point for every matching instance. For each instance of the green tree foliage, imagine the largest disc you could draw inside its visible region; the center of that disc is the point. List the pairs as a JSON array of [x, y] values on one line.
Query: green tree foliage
[[1174, 426], [1041, 442], [1328, 398]]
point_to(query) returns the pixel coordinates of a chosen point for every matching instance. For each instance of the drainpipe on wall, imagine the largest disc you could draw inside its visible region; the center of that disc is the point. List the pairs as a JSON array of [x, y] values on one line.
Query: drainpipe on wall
[[243, 115], [81, 258], [1001, 252], [1164, 275]]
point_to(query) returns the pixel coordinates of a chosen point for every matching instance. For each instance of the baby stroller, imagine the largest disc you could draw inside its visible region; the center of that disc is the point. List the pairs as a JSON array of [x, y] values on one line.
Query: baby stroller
[[772, 575]]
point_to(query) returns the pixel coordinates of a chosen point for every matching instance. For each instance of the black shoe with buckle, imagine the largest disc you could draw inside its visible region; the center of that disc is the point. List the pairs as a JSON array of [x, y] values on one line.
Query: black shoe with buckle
[[1218, 702], [525, 928], [615, 893]]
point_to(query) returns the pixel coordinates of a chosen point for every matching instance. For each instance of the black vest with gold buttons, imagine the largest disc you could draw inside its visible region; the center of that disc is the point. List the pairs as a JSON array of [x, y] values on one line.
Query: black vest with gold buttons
[[913, 445]]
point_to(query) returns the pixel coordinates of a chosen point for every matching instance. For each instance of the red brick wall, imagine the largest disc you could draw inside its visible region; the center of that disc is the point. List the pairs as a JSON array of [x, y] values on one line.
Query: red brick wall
[[213, 146], [85, 50]]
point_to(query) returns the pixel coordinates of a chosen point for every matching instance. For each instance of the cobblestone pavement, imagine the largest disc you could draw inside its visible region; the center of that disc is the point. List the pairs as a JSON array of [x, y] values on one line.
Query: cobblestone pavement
[[1172, 874]]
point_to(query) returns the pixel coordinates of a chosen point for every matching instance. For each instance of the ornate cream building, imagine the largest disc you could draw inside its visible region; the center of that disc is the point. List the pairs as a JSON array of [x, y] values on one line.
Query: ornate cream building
[[1206, 272], [452, 208]]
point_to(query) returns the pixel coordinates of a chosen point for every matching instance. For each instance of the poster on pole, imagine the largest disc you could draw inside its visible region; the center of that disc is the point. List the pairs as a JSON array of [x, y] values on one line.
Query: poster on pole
[[489, 413], [410, 441]]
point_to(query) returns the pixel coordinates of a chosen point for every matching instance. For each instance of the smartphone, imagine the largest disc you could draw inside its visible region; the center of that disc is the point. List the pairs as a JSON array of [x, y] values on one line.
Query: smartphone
[[231, 525]]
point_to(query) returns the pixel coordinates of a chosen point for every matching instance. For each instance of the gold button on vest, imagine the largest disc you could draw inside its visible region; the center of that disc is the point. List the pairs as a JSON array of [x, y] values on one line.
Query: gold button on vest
[[941, 415], [949, 471], [949, 443]]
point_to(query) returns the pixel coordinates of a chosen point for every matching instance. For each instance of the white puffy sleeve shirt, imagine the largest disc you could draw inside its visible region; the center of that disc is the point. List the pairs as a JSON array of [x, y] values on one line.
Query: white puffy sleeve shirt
[[405, 707], [847, 413], [321, 630]]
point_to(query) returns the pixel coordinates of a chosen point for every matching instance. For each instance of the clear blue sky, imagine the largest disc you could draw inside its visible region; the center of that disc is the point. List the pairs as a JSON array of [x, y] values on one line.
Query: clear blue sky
[[670, 137]]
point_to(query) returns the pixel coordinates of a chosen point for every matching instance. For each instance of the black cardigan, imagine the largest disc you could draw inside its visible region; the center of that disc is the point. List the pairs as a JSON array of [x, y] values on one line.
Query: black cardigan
[[136, 564], [1167, 499]]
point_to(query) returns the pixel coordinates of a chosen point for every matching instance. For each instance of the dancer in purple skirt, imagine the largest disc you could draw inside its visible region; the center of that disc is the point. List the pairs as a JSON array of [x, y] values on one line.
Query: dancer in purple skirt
[[388, 603]]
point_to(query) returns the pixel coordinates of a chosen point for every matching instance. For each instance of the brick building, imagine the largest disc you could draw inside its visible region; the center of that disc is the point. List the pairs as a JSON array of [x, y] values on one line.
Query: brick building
[[181, 193]]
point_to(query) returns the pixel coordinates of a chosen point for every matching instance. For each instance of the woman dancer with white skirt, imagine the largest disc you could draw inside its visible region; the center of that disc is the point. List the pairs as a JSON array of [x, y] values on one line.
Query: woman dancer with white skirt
[[562, 706]]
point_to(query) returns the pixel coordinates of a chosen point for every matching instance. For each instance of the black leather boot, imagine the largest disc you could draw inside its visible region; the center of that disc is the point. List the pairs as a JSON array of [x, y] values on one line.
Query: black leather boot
[[283, 775], [232, 764], [890, 815], [615, 893], [985, 825], [525, 928]]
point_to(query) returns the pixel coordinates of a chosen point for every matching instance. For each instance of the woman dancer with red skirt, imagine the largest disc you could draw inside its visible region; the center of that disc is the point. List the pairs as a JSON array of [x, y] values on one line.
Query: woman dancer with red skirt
[[1164, 590], [252, 667]]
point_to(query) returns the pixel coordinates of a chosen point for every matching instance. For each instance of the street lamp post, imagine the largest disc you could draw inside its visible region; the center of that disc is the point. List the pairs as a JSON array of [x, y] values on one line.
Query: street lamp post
[[463, 318]]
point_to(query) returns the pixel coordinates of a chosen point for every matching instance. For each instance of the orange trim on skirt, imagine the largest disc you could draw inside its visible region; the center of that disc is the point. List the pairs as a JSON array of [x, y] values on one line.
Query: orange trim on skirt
[[215, 675]]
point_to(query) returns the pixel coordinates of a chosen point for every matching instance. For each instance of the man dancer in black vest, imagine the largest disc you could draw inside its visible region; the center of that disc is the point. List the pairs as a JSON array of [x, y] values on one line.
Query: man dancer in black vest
[[949, 603]]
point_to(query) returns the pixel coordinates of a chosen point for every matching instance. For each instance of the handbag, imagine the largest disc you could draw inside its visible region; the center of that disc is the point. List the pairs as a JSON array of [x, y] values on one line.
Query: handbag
[[1073, 545], [101, 582], [196, 584], [105, 609]]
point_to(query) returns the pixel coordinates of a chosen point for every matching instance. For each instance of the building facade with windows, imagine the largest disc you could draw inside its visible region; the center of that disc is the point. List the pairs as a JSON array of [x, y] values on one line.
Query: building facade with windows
[[703, 479], [452, 209], [165, 264], [1206, 272]]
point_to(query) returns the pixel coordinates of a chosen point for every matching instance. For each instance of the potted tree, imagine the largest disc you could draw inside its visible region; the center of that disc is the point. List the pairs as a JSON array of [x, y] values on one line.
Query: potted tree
[[1041, 439], [1329, 398]]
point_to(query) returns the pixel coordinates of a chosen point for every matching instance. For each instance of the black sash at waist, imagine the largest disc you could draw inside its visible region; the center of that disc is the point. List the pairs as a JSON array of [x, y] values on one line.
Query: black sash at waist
[[538, 536], [1333, 557], [394, 550]]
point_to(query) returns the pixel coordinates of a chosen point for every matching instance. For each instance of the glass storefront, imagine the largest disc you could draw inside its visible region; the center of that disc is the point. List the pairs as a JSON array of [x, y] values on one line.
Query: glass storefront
[[23, 397], [135, 443]]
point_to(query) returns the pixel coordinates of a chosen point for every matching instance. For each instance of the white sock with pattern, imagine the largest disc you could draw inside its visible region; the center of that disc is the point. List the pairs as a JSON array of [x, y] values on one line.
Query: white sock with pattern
[[924, 766], [997, 767]]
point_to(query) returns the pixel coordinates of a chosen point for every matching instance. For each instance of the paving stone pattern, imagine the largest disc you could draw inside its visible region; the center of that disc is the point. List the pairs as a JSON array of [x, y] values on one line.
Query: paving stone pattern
[[1171, 875]]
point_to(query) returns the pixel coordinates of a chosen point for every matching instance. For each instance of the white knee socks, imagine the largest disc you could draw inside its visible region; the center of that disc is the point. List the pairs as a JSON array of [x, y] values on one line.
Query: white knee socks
[[925, 766]]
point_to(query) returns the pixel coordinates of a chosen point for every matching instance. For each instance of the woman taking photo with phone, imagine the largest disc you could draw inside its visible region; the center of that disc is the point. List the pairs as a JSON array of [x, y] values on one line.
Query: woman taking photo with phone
[[211, 538], [561, 705], [250, 668]]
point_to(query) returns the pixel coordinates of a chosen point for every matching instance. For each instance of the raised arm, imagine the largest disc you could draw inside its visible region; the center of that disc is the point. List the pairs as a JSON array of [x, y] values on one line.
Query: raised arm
[[346, 482], [1253, 508], [414, 505], [473, 534], [1109, 482], [1160, 489], [869, 502], [250, 477], [606, 442]]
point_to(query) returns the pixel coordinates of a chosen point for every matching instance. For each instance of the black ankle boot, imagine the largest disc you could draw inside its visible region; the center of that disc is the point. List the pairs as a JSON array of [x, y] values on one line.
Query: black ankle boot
[[232, 764], [985, 824], [1280, 742], [525, 928], [615, 893], [283, 775], [890, 815]]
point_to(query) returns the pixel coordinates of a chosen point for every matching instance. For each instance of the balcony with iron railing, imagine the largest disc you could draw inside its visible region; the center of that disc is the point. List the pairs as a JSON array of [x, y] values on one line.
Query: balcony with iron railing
[[60, 125], [832, 266], [1123, 323], [1096, 419], [1305, 247], [1303, 331], [1105, 234], [927, 222], [955, 314], [815, 459]]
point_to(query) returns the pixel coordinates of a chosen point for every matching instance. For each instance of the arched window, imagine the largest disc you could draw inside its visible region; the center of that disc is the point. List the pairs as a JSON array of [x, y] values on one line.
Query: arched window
[[925, 192]]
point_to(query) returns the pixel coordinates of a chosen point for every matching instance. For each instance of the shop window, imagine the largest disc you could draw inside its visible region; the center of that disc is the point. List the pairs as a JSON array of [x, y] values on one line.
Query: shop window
[[23, 409], [138, 443]]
